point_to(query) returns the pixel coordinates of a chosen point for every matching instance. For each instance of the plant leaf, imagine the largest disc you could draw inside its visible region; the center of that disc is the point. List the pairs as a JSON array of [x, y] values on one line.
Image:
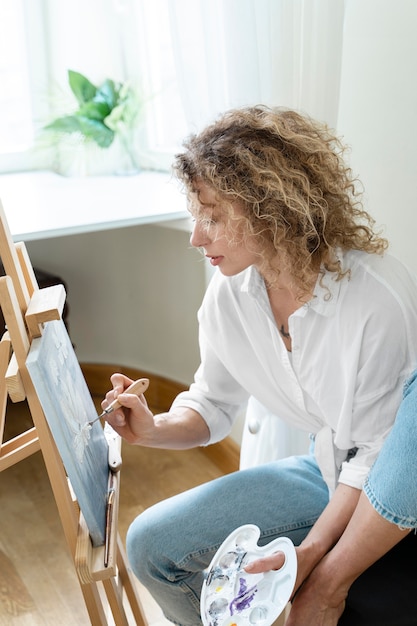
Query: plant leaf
[[94, 110], [81, 87], [67, 124], [96, 130], [91, 129], [108, 92]]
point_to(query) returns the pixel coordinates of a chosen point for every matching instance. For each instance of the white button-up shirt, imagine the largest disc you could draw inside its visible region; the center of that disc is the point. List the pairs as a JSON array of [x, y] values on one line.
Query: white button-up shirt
[[353, 345]]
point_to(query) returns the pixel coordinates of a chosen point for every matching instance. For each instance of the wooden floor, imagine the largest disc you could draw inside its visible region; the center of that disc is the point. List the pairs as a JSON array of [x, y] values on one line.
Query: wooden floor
[[38, 585]]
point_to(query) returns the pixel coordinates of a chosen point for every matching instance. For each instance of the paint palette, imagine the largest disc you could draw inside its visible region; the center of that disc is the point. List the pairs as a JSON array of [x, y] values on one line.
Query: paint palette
[[232, 597]]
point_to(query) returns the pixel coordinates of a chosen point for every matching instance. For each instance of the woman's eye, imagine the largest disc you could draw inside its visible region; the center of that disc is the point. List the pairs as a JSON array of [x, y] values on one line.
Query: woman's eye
[[203, 220]]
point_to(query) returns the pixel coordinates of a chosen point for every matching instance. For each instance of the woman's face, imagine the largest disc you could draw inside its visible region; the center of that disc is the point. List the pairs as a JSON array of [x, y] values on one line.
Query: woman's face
[[211, 223]]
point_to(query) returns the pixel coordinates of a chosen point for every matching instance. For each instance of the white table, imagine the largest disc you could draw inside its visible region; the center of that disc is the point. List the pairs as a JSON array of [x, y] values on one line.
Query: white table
[[41, 205]]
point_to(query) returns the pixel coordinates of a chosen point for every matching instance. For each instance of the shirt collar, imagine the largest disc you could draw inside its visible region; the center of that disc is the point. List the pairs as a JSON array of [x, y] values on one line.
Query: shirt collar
[[326, 294], [252, 282], [325, 297]]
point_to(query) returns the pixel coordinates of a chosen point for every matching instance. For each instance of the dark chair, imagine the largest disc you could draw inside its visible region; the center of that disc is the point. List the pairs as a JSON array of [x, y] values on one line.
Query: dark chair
[[44, 280], [386, 593]]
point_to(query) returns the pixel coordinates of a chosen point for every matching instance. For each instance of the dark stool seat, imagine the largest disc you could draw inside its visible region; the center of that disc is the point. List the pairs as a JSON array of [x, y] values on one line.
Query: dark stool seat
[[386, 593]]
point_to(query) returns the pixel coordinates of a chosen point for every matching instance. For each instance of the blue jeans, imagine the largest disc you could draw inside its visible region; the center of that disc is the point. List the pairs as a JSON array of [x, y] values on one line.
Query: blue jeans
[[170, 544], [392, 482]]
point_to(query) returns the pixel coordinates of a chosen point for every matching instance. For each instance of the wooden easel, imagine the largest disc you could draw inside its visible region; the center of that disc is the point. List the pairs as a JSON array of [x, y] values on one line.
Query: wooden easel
[[25, 309]]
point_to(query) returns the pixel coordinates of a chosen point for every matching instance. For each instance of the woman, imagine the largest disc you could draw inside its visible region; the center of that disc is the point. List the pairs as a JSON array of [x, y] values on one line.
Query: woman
[[307, 314]]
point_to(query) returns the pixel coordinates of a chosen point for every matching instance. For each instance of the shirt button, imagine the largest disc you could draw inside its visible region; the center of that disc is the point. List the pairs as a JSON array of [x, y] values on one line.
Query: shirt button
[[253, 426]]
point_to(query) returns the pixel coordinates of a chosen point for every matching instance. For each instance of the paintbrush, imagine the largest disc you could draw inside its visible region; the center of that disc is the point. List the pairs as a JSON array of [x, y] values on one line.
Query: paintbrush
[[138, 387]]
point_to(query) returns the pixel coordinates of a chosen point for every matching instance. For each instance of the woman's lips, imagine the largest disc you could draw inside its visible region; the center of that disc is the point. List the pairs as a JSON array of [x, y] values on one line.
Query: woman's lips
[[215, 260]]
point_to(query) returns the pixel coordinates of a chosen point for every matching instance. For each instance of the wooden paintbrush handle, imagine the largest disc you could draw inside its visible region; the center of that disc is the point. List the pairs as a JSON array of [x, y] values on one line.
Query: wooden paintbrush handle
[[136, 388]]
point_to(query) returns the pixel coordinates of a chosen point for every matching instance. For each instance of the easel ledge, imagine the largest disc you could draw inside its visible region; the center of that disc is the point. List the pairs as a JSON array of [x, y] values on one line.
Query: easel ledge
[[26, 309], [90, 561]]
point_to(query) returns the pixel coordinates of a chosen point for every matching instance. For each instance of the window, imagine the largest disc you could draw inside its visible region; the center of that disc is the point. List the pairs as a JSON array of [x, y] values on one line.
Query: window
[[133, 42], [166, 125], [198, 59], [21, 65], [193, 59], [16, 132]]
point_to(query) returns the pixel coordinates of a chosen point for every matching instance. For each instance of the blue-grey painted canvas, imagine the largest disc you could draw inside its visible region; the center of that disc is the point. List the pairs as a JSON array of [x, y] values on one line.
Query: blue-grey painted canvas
[[68, 407]]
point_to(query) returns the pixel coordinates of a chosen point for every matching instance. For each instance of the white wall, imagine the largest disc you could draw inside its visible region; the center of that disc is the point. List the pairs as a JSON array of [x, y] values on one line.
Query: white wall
[[133, 296], [378, 113]]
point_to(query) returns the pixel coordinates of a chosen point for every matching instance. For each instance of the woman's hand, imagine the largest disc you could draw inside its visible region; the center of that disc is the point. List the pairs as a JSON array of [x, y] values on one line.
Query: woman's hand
[[318, 602], [177, 429], [266, 563], [311, 605], [306, 560], [133, 421]]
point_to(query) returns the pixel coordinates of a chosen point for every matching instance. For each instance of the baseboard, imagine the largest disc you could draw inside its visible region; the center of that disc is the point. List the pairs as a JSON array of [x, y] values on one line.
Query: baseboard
[[160, 395], [225, 454]]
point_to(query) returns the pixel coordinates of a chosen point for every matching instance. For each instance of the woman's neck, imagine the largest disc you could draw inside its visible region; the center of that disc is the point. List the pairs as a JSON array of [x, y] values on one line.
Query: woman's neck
[[285, 298]]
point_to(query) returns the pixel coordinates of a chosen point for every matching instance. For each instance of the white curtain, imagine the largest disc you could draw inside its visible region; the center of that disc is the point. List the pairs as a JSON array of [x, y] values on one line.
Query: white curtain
[[196, 58], [278, 52]]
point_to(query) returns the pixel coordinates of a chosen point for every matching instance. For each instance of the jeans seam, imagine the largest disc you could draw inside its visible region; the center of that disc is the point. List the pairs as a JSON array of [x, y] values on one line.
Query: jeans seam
[[402, 522], [192, 598], [288, 528], [272, 532]]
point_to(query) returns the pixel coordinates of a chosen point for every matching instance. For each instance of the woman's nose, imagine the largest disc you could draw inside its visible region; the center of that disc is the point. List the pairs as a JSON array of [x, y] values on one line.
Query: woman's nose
[[199, 237]]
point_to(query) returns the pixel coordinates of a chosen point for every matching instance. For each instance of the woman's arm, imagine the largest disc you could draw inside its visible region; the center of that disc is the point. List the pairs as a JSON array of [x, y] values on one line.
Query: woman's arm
[[347, 538], [368, 536]]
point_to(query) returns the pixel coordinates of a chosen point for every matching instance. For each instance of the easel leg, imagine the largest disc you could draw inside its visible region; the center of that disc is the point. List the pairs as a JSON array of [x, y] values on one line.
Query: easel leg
[[115, 599], [129, 585], [94, 604]]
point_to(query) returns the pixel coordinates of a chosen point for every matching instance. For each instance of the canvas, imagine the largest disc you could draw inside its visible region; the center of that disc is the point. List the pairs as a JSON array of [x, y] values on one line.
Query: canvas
[[68, 407]]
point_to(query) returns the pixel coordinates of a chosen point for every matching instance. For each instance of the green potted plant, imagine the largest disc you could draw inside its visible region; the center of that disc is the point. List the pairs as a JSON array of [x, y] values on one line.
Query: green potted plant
[[104, 113]]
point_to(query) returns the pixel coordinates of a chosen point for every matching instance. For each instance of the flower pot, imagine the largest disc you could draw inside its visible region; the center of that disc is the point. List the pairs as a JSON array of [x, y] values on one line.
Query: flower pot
[[79, 157]]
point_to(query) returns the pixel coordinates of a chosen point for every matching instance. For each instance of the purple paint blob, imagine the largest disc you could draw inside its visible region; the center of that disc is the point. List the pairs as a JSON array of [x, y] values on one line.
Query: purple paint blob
[[244, 598]]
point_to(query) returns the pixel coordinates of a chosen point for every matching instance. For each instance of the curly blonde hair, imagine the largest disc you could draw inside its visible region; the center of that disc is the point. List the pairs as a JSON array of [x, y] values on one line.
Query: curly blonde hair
[[288, 175]]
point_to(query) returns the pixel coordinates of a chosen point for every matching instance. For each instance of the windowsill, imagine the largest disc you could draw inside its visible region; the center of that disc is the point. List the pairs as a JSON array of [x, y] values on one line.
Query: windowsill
[[42, 204]]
